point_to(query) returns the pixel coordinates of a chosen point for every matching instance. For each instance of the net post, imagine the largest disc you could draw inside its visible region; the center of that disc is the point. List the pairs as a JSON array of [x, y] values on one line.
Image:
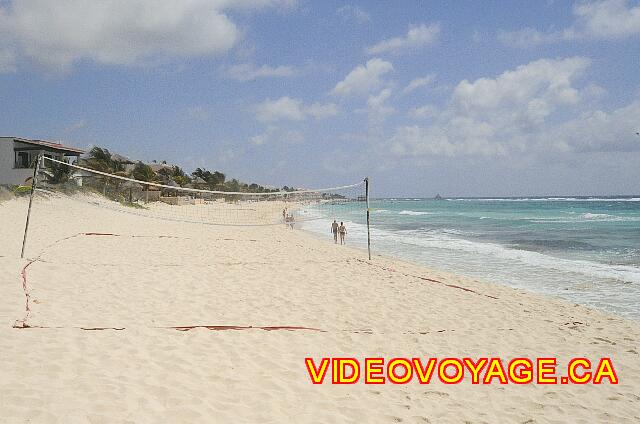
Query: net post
[[366, 191], [34, 182]]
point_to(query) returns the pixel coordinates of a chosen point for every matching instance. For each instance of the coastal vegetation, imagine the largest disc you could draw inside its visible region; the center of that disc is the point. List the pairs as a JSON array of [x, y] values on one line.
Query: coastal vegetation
[[102, 160]]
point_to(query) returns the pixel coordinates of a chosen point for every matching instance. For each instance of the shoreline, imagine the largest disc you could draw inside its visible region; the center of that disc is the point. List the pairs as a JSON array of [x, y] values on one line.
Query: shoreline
[[389, 259], [452, 275]]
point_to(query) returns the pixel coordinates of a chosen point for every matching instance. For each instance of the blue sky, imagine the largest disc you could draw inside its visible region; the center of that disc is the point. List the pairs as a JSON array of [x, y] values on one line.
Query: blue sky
[[462, 98]]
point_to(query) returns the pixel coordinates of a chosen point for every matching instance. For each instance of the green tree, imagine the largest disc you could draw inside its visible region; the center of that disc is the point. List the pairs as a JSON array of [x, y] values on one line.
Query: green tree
[[58, 173], [101, 159], [176, 174], [233, 185], [143, 172], [214, 179]]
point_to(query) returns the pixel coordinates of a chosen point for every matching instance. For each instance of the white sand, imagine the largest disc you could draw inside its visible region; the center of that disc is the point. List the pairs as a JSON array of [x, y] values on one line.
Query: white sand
[[268, 276]]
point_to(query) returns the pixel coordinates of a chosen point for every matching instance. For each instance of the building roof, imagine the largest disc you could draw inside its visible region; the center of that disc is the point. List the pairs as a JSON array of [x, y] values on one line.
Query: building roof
[[49, 145], [119, 158], [155, 167]]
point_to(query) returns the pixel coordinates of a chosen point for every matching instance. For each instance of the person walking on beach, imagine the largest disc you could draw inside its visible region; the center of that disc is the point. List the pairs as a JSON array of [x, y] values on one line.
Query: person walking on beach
[[342, 230], [334, 230], [290, 220]]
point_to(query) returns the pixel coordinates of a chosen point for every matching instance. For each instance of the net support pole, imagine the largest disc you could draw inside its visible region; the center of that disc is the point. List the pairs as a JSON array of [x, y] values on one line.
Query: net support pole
[[34, 183], [366, 191]]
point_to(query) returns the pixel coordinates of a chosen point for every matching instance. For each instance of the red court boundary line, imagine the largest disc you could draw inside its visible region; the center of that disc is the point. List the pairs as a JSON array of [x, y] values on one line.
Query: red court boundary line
[[431, 280], [237, 327], [264, 328], [22, 323], [189, 327]]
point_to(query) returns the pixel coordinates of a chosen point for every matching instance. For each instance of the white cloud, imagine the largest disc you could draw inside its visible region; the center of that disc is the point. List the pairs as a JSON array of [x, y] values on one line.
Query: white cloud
[[597, 131], [320, 111], [495, 116], [349, 12], [598, 20], [419, 82], [7, 60], [250, 72], [423, 112], [363, 79], [421, 141], [263, 138], [538, 86], [379, 100], [284, 108], [595, 91], [377, 107], [275, 134], [288, 109], [251, 4], [609, 19], [57, 34], [417, 37], [78, 125]]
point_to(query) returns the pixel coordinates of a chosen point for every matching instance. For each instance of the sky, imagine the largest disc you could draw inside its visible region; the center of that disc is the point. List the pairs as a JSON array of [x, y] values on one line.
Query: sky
[[461, 98]]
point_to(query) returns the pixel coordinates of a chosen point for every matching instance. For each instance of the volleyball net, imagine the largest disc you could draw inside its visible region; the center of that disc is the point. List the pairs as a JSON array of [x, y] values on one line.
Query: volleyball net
[[159, 196]]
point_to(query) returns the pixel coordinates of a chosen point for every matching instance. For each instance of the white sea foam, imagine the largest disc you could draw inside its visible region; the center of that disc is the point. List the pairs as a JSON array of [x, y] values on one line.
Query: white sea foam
[[586, 217], [570, 217], [442, 240], [550, 199], [406, 243], [589, 215], [416, 213], [455, 232]]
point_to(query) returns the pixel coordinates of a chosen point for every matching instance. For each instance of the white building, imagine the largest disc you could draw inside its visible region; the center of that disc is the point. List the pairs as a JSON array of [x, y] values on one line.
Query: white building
[[18, 157]]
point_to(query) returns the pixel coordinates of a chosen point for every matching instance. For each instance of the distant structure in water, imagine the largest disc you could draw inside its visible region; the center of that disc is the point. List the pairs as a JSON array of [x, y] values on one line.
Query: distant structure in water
[[438, 197]]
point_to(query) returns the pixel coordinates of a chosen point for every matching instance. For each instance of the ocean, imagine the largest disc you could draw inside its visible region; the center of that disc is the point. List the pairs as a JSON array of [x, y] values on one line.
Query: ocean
[[582, 249]]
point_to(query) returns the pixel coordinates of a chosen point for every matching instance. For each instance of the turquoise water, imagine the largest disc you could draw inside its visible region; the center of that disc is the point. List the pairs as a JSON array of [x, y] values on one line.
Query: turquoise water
[[585, 250]]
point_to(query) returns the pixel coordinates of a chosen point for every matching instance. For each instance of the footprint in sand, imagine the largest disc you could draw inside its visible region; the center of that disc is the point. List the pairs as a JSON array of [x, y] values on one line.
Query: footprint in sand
[[604, 340], [436, 393]]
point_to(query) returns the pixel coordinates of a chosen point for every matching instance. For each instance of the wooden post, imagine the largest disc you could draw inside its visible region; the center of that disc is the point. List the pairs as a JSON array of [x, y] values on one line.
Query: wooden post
[[34, 182], [366, 190]]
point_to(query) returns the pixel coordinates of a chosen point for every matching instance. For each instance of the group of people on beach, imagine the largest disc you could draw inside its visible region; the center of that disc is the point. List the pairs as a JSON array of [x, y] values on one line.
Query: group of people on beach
[[288, 219], [338, 231]]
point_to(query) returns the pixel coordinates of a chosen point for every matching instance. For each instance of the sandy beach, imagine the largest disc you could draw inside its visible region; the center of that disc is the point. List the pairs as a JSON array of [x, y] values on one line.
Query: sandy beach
[[107, 289]]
